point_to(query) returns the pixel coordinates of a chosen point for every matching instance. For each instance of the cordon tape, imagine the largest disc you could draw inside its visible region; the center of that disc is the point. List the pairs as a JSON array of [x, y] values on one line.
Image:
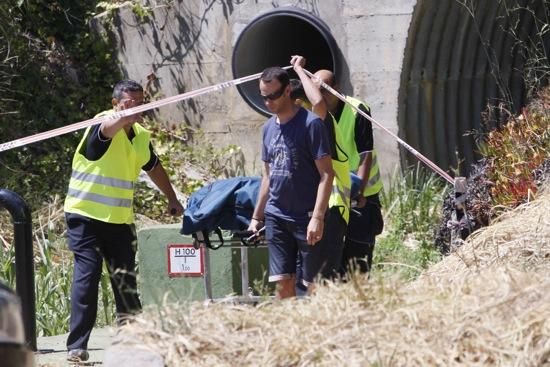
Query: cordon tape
[[216, 87]]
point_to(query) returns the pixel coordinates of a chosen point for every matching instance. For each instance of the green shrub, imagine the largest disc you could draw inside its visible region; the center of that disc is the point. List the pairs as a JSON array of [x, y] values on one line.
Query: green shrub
[[48, 46]]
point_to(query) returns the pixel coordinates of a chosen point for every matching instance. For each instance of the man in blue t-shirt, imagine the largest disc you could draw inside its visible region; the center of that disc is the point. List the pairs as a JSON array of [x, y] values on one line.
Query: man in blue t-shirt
[[296, 185]]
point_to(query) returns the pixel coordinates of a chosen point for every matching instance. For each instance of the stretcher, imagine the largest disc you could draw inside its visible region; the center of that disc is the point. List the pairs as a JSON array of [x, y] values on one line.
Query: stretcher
[[218, 215]]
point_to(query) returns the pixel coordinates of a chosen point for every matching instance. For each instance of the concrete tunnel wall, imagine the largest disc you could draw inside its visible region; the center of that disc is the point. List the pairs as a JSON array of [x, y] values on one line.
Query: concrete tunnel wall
[[388, 53], [189, 44]]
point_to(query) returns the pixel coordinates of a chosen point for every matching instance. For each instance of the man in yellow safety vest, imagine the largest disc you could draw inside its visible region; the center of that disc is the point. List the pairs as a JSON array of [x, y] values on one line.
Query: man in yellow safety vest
[[366, 219], [99, 212]]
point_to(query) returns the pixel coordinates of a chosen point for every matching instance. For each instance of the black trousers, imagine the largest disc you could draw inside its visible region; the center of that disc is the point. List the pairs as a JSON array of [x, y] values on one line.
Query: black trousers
[[92, 241], [364, 224], [333, 243]]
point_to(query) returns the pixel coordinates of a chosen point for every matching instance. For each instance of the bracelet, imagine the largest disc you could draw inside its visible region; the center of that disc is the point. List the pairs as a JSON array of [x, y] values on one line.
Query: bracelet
[[257, 219], [318, 218]]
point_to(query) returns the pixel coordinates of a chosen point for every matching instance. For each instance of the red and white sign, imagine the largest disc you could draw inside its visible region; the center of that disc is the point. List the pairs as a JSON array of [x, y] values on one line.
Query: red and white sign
[[185, 261]]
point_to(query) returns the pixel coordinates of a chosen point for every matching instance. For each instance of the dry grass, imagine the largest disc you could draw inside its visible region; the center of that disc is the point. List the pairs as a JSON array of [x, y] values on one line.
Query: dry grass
[[486, 304], [519, 238]]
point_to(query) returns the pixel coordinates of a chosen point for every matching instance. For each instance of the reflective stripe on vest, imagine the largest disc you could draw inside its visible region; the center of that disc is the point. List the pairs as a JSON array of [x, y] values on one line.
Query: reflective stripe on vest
[[374, 184], [347, 128], [340, 195], [339, 191], [104, 189], [107, 181], [101, 199], [373, 176]]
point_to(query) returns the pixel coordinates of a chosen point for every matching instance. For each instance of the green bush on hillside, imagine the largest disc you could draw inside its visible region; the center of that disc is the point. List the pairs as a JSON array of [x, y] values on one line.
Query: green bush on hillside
[[53, 72]]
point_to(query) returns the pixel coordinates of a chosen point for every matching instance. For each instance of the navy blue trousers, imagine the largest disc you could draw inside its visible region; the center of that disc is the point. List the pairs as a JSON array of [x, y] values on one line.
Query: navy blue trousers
[[92, 241], [331, 247]]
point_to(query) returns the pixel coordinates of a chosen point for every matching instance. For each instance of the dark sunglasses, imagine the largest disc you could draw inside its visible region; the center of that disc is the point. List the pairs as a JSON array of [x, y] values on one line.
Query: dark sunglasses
[[275, 95]]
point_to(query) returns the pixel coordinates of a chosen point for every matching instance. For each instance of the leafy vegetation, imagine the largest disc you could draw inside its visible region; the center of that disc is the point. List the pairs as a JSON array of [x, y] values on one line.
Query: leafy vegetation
[[516, 161], [514, 151], [141, 11], [48, 46]]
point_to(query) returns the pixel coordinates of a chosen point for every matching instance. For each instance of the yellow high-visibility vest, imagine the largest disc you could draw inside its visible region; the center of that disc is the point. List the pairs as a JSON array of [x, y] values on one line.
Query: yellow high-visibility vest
[[347, 128], [104, 189], [340, 196]]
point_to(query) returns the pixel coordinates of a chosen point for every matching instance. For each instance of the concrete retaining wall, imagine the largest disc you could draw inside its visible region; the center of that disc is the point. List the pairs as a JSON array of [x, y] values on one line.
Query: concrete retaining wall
[[427, 68]]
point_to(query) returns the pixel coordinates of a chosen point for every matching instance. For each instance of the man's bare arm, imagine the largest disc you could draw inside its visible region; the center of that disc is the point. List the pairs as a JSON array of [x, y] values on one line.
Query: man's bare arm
[[318, 105], [263, 195], [316, 223], [160, 178]]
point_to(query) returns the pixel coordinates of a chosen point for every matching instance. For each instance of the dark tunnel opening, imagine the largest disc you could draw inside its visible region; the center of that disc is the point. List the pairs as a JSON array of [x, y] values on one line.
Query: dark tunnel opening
[[272, 38]]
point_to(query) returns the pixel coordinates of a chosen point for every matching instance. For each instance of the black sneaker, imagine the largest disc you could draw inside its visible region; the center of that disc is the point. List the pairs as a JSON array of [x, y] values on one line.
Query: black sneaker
[[78, 355]]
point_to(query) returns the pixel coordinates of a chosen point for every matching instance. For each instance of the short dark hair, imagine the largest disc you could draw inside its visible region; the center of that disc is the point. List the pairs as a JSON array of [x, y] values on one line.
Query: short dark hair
[[275, 72], [125, 86], [297, 90]]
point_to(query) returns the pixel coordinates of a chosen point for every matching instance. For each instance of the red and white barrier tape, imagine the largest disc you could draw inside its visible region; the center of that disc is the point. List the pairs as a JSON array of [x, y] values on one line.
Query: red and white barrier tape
[[130, 111], [414, 152], [216, 87]]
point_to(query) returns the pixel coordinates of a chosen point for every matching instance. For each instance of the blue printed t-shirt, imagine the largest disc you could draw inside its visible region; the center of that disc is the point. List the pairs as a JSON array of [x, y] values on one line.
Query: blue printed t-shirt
[[291, 150]]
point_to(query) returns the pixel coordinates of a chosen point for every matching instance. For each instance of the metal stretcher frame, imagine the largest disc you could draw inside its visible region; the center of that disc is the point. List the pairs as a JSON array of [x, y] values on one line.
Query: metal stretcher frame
[[240, 240]]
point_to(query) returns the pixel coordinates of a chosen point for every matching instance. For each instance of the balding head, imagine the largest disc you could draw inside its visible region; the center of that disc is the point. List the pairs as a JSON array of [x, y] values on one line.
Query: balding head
[[326, 76]]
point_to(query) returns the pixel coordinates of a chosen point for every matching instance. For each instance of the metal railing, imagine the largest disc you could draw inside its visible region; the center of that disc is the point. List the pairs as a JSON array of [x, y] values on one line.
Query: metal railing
[[24, 264]]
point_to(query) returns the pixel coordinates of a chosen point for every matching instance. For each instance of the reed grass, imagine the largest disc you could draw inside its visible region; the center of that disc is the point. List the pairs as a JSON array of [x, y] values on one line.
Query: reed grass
[[411, 204]]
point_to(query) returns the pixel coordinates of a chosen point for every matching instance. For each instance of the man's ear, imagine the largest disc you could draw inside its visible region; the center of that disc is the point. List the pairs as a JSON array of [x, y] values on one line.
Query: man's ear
[[114, 102], [287, 90]]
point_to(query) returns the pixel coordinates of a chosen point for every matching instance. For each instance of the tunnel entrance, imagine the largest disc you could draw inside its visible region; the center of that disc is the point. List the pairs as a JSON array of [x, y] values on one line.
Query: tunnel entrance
[[459, 60], [272, 38]]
